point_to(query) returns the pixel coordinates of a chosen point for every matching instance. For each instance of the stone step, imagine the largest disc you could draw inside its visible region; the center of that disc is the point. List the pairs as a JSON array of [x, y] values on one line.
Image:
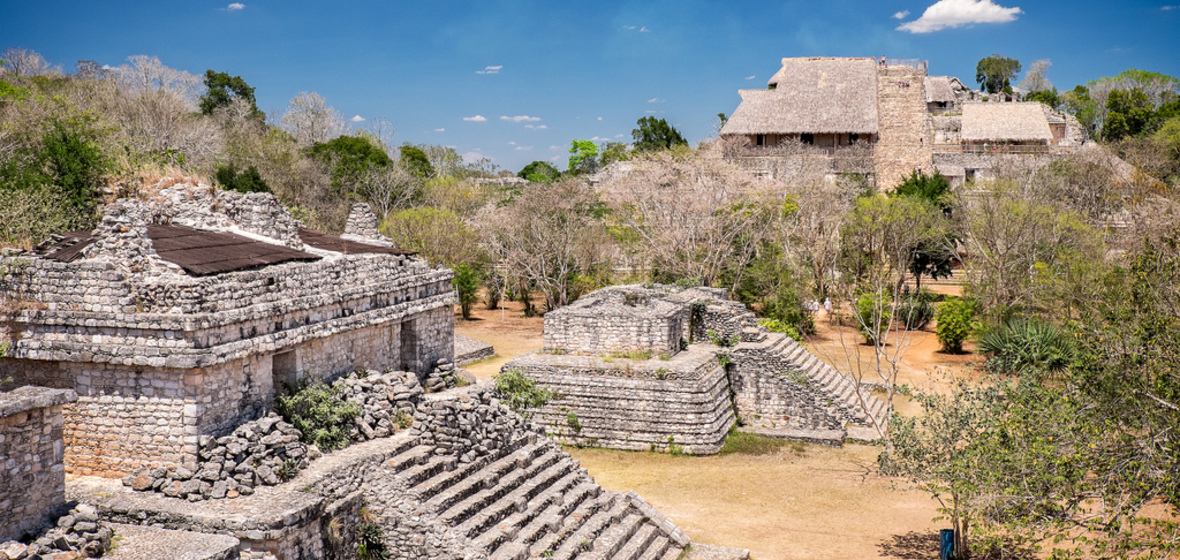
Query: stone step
[[415, 474], [673, 553], [548, 544], [479, 478], [414, 456], [520, 527], [639, 543], [510, 551], [658, 548], [582, 540], [495, 489], [517, 500], [447, 479], [608, 543]]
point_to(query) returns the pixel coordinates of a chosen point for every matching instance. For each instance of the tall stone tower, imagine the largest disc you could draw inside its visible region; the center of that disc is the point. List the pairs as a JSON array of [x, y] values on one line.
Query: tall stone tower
[[904, 124]]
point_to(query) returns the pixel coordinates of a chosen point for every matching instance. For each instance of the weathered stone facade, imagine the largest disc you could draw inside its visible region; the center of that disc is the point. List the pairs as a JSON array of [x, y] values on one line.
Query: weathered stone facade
[[32, 480], [159, 357], [684, 401], [471, 479]]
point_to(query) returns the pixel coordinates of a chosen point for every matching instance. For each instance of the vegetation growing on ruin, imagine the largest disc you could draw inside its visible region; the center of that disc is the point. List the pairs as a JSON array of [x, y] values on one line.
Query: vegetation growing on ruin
[[317, 411]]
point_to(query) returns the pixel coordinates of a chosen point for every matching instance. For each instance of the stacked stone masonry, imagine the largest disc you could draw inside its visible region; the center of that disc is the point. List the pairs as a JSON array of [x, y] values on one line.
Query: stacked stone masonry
[[471, 479], [32, 480], [159, 357], [686, 401]]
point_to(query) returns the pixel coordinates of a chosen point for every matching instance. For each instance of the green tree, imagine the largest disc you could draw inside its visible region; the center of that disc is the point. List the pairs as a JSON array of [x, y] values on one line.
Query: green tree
[[612, 152], [1047, 96], [348, 158], [994, 73], [246, 181], [655, 134], [437, 234], [1128, 113], [539, 171], [954, 323], [415, 161], [583, 157], [467, 281], [74, 162], [223, 89]]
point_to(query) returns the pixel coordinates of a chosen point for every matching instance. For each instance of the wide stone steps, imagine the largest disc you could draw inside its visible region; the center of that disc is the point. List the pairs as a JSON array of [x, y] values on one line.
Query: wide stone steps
[[841, 388], [530, 499]]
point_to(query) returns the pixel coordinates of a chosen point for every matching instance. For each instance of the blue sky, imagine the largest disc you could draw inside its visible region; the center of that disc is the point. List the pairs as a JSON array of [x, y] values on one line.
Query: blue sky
[[540, 74]]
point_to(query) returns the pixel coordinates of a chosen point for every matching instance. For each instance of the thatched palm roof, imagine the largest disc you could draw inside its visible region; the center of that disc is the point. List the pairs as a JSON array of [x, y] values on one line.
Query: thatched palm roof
[[811, 95], [938, 89], [1013, 122]]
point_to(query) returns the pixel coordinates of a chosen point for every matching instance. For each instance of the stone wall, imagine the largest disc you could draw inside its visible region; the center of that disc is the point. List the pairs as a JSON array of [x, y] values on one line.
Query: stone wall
[[32, 477], [904, 125], [620, 319]]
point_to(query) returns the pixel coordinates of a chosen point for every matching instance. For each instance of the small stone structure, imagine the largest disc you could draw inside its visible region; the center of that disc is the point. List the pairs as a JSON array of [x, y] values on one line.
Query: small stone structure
[[677, 367], [166, 340], [32, 479]]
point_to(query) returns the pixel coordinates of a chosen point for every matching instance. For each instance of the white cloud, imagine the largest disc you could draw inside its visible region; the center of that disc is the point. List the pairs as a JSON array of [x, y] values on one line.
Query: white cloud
[[641, 29], [901, 15], [440, 130], [357, 118], [236, 6], [618, 136], [490, 70], [472, 156], [555, 148], [599, 139], [536, 126], [524, 148], [957, 13], [599, 118], [519, 118], [477, 118], [511, 142], [655, 100], [751, 77], [651, 112], [1169, 8]]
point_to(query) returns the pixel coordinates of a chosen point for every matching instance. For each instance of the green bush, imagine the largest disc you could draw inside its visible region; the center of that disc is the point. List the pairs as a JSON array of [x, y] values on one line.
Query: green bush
[[520, 392], [874, 315], [246, 181], [916, 311], [317, 410], [956, 320], [466, 282], [775, 325], [370, 541], [1027, 346]]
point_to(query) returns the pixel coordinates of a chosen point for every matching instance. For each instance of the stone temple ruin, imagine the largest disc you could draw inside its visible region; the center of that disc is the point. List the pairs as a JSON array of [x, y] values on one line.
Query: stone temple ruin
[[161, 339], [666, 368]]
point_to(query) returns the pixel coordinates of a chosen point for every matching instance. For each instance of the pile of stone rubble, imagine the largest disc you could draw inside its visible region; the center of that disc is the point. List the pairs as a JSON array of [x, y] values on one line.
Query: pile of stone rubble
[[78, 534], [388, 401], [469, 427], [266, 451]]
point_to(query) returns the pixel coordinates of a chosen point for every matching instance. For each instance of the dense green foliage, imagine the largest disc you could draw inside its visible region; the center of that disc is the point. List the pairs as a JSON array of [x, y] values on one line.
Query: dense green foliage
[[223, 89], [539, 171], [466, 282], [246, 181], [520, 392], [349, 157], [994, 73], [874, 315], [317, 410], [583, 157], [1027, 346], [415, 160], [955, 323], [655, 134]]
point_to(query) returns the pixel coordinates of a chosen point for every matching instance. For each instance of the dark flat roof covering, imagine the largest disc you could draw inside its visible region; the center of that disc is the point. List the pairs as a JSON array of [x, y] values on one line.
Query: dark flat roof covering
[[201, 253], [340, 245]]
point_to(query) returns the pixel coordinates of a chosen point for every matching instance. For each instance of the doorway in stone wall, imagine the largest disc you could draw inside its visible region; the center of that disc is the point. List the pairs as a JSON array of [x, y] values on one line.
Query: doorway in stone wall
[[408, 349], [285, 372]]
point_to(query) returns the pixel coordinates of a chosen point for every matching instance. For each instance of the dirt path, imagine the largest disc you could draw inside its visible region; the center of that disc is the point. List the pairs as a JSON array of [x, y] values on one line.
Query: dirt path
[[816, 503]]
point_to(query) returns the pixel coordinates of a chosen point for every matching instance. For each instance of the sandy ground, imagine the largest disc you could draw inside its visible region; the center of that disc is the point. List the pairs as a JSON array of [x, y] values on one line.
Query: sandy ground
[[809, 502]]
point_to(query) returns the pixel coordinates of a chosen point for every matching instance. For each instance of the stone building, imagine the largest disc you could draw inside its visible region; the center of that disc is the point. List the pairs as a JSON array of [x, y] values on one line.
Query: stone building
[[665, 368], [182, 314], [882, 118], [32, 480]]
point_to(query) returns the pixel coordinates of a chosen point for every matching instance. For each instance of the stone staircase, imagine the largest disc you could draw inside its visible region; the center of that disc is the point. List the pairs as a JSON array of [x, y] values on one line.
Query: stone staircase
[[530, 499], [782, 385]]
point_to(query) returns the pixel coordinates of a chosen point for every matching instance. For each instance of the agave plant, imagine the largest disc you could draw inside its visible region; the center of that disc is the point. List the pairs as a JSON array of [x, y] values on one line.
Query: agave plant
[[1027, 346]]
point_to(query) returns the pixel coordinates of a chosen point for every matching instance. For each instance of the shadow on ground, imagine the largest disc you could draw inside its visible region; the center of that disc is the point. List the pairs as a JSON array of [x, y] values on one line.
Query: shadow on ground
[[913, 545]]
